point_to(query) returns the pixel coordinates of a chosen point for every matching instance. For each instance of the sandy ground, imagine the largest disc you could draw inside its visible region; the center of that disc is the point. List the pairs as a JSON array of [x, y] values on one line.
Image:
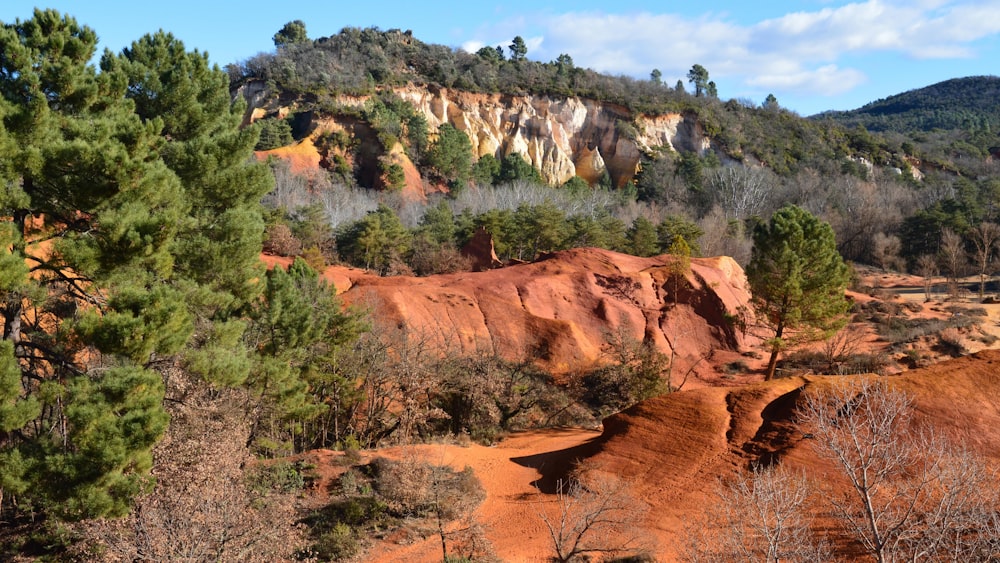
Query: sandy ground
[[511, 472]]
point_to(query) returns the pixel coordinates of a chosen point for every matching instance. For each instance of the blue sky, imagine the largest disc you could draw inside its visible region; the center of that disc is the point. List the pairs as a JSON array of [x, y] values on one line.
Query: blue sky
[[813, 55]]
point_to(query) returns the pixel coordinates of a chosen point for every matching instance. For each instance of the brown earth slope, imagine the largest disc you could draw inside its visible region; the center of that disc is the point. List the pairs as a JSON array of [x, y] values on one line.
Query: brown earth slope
[[675, 448]]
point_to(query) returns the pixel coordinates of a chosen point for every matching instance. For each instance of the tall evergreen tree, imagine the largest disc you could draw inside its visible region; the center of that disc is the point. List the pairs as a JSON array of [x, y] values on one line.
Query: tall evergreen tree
[[291, 33], [797, 279], [296, 327], [134, 224], [93, 215], [698, 75], [203, 145], [518, 49]]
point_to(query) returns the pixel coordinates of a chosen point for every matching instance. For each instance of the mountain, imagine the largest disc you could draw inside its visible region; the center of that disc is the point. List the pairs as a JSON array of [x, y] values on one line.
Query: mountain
[[961, 103]]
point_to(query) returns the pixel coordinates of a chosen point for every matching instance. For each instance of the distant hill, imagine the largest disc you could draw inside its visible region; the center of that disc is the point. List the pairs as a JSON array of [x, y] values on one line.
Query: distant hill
[[969, 103]]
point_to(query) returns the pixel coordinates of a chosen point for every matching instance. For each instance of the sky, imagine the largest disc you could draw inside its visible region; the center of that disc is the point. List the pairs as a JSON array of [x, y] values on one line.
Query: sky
[[813, 55]]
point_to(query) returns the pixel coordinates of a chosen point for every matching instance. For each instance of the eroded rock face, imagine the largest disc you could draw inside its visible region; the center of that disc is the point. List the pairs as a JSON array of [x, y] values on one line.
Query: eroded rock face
[[561, 308], [561, 137]]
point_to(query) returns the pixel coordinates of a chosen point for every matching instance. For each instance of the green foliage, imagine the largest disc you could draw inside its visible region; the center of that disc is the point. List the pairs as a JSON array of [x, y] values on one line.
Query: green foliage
[[451, 155], [377, 497], [491, 54], [203, 145], [960, 103], [797, 278], [518, 49], [642, 238], [691, 169], [291, 33], [78, 408], [637, 371], [513, 167], [378, 242], [274, 133], [485, 395], [486, 170], [538, 228], [297, 331], [279, 476], [698, 76], [675, 227]]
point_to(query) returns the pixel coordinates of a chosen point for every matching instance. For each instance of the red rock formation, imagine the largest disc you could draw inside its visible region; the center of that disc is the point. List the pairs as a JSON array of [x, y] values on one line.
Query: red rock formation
[[562, 307], [482, 252]]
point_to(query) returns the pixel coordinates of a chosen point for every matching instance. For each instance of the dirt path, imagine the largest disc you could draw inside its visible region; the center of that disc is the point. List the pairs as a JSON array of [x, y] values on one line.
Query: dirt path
[[511, 473]]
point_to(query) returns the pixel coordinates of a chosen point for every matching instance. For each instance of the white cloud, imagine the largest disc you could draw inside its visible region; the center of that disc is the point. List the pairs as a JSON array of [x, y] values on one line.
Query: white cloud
[[827, 80], [801, 53], [472, 46]]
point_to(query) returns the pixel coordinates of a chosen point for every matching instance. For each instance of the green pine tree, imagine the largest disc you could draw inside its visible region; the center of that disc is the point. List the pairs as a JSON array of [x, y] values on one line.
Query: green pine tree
[[797, 279], [642, 238], [377, 242], [94, 213], [297, 326]]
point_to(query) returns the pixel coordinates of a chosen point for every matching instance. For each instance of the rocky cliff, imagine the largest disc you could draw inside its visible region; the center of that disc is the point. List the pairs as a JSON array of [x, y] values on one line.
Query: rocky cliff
[[561, 137], [562, 307]]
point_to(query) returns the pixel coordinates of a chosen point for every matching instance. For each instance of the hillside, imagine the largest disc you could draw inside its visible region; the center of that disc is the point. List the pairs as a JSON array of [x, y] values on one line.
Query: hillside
[[413, 303], [674, 450], [961, 103]]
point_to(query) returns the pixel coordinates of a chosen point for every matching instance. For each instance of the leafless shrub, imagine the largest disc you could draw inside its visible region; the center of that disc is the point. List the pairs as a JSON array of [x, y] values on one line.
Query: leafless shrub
[[905, 492], [724, 237], [762, 515], [598, 514], [843, 344], [202, 508]]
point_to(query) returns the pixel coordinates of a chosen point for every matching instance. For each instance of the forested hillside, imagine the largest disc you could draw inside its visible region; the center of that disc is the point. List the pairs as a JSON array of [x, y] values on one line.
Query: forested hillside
[[354, 95], [962, 103]]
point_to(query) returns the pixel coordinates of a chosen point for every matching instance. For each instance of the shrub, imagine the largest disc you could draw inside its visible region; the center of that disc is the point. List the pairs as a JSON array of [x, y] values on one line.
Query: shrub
[[338, 543], [280, 241]]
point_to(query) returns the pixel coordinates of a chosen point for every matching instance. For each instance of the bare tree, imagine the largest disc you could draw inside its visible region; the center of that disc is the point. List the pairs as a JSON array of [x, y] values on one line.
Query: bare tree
[[763, 515], [843, 344], [742, 191], [885, 251], [927, 268], [597, 515], [723, 237], [908, 494], [952, 256], [985, 238]]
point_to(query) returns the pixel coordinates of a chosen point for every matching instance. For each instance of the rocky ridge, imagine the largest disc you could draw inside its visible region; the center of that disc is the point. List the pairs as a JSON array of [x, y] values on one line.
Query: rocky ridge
[[561, 137]]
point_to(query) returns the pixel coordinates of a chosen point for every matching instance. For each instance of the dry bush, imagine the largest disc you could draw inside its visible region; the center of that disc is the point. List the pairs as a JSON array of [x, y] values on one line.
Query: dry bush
[[599, 515], [280, 241], [203, 508], [428, 258], [407, 494], [762, 515], [900, 490]]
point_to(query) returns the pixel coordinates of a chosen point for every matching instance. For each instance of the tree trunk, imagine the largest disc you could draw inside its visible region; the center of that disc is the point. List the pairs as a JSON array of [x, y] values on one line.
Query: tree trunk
[[775, 350], [771, 364]]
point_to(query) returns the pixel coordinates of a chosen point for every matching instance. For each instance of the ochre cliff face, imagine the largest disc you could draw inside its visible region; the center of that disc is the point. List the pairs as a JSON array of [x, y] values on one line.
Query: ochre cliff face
[[562, 308], [561, 137]]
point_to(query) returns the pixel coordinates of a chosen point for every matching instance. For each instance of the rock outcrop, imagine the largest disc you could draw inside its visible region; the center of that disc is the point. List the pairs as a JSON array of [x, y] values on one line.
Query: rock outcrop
[[562, 307], [561, 137]]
